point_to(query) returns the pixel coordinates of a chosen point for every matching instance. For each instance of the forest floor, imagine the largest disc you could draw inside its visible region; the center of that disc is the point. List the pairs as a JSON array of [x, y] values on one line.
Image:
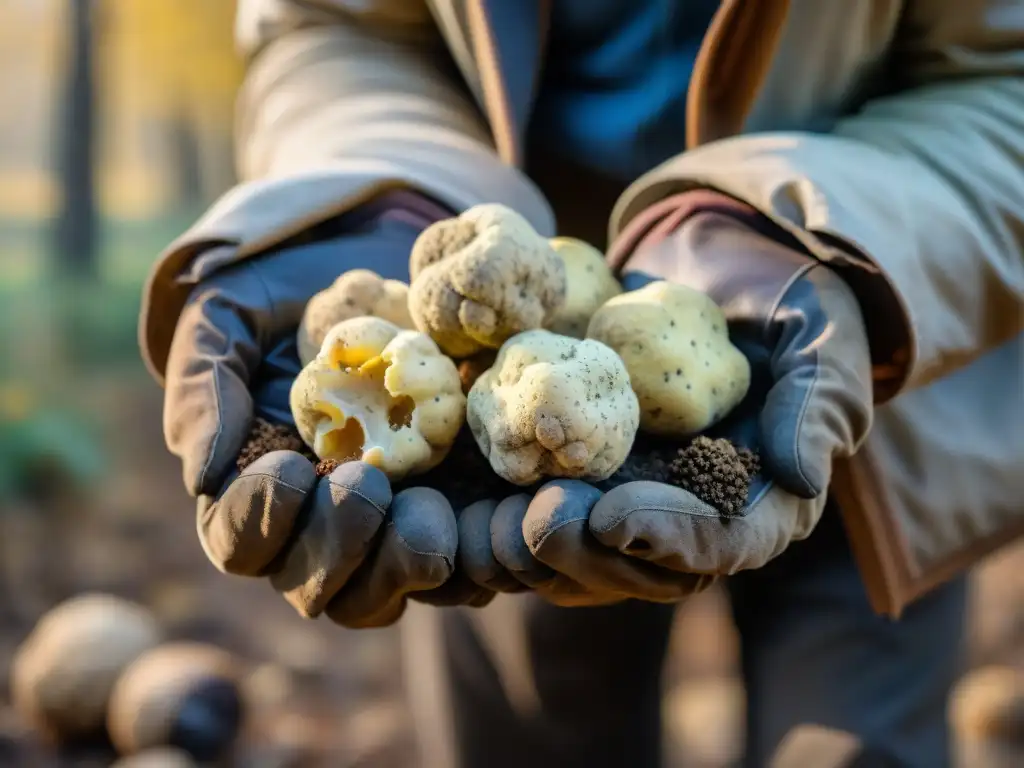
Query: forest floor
[[324, 696]]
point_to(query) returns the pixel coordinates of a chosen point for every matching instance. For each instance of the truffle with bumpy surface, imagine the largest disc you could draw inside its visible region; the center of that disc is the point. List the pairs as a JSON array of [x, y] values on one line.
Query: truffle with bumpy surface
[[482, 277], [713, 471], [675, 343], [553, 406], [356, 293], [589, 284]]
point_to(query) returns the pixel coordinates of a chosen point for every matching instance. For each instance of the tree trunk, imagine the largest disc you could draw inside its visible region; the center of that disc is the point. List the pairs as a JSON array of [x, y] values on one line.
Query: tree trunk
[[186, 155], [75, 231]]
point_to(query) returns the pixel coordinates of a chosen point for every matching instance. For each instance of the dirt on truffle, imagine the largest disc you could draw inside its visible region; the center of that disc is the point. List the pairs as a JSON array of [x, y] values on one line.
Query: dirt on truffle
[[713, 470]]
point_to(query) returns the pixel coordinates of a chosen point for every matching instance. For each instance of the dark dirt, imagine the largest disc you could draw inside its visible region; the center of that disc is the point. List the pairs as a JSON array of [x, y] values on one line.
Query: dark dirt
[[266, 437], [711, 469], [471, 368]]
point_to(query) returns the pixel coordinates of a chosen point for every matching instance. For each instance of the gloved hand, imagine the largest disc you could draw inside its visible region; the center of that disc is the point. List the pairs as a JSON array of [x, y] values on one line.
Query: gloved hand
[[810, 401], [341, 545], [811, 398], [544, 542]]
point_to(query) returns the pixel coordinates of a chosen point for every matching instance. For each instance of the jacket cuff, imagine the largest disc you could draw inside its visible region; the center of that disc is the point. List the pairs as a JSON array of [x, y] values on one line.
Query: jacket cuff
[[399, 205], [661, 219], [184, 265]]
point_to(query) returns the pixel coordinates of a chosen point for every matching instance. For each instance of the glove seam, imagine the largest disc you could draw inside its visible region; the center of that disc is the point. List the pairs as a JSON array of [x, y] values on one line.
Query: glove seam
[[355, 492], [215, 442], [275, 478], [804, 408], [801, 274], [612, 522], [415, 551]]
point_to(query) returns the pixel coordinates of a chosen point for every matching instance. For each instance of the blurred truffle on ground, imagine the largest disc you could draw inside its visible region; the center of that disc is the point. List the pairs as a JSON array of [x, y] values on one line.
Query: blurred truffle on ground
[[63, 673], [185, 695]]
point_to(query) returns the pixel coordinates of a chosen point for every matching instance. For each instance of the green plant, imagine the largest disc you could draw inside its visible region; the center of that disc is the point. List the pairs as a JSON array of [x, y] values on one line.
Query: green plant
[[44, 449]]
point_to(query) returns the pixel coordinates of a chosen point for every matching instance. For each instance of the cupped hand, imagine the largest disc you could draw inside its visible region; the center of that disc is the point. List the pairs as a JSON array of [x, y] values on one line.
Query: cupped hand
[[544, 542], [343, 545], [810, 402]]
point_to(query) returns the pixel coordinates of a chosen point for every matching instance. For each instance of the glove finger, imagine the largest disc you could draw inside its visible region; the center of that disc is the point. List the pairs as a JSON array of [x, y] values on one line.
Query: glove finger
[[557, 530], [674, 530], [416, 552], [245, 528], [476, 554], [207, 405], [460, 589], [509, 545], [336, 532], [512, 552]]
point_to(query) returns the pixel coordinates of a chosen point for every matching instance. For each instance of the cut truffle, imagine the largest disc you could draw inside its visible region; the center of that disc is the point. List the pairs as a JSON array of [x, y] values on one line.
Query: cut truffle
[[712, 470], [381, 395]]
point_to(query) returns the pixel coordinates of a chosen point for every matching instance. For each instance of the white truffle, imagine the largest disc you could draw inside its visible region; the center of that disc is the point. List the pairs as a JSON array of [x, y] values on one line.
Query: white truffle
[[553, 406], [675, 343], [355, 293], [589, 284], [482, 277], [382, 395], [63, 673]]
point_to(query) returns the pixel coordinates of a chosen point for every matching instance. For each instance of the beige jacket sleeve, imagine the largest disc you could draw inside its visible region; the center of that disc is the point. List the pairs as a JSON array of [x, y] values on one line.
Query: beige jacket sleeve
[[342, 99], [926, 184]]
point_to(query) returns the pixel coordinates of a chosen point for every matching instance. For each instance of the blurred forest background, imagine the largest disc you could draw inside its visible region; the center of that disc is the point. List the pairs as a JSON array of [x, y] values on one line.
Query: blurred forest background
[[116, 132]]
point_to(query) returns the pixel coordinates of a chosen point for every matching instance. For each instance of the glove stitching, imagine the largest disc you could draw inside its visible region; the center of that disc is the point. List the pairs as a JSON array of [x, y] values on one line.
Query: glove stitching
[[214, 443], [612, 522], [355, 492], [275, 478], [402, 540], [805, 406]]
